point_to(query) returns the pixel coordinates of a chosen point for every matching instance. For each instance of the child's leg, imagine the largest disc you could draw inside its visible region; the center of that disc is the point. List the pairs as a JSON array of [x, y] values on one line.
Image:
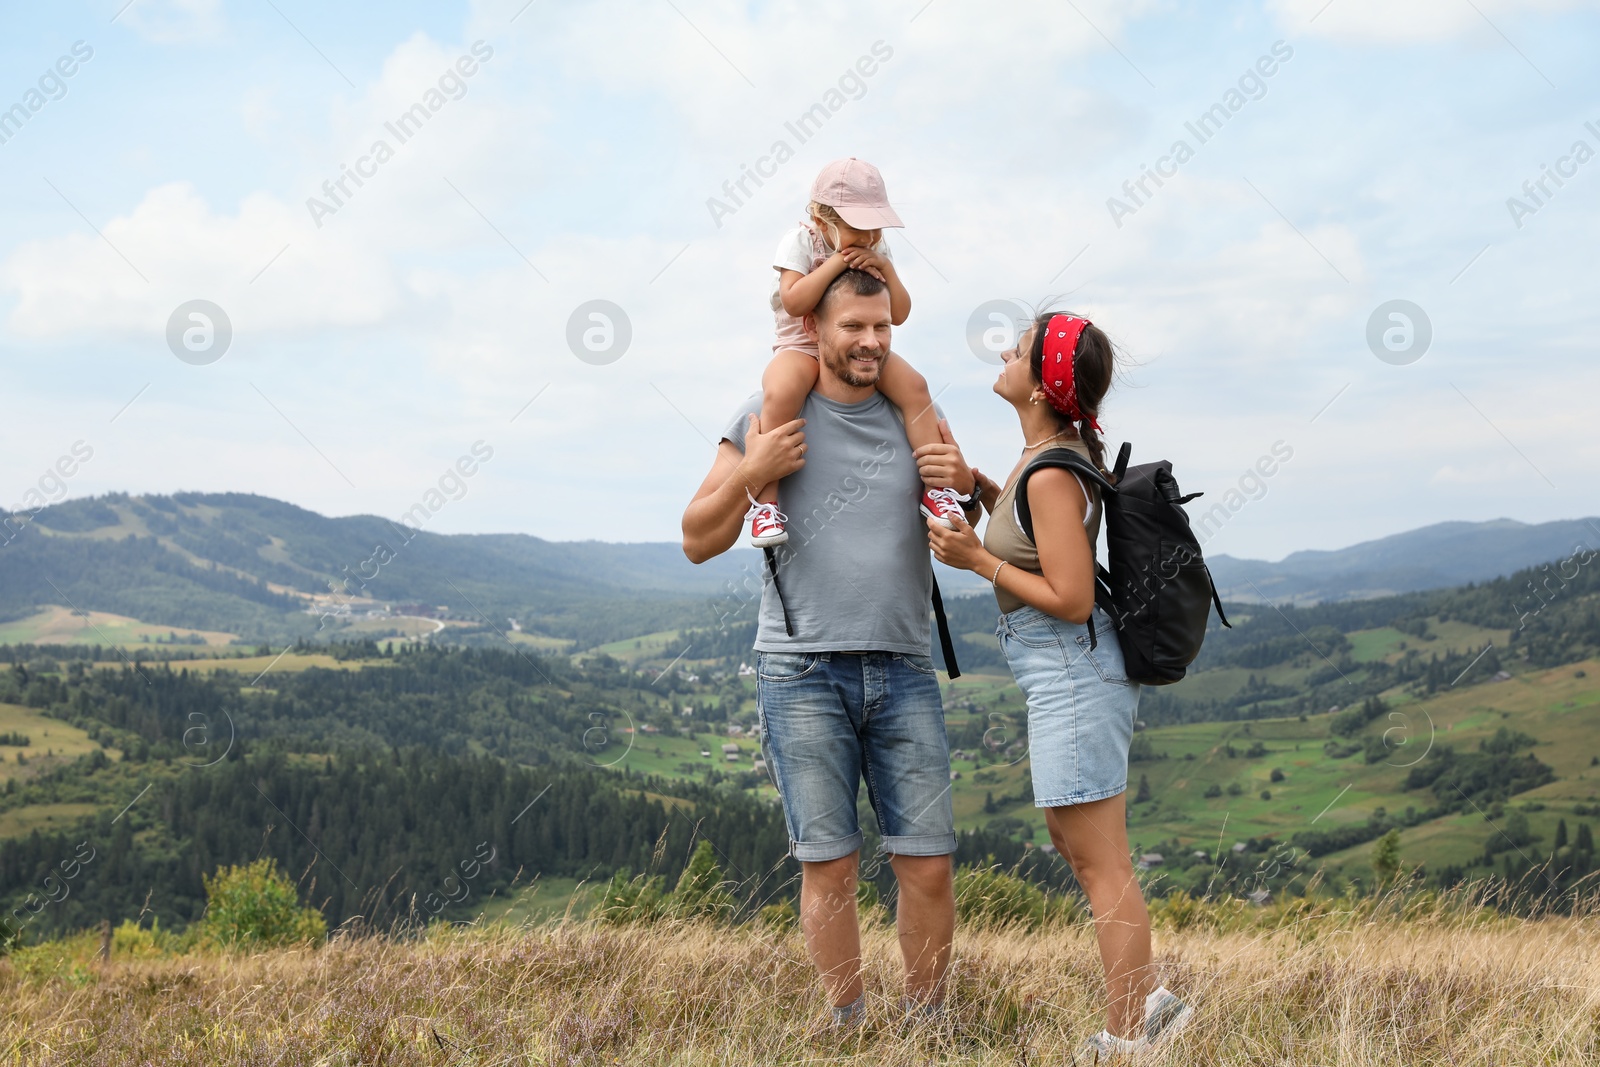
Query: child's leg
[[786, 383], [908, 390]]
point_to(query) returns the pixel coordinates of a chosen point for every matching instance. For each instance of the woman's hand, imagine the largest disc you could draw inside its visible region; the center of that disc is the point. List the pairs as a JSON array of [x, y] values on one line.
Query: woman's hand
[[988, 491], [958, 548]]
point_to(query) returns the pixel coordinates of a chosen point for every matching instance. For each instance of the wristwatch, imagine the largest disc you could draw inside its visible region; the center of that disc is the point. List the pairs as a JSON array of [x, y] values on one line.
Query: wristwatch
[[973, 502]]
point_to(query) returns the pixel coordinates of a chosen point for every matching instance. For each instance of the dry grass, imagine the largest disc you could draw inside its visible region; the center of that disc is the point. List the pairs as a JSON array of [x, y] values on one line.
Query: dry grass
[[1501, 992]]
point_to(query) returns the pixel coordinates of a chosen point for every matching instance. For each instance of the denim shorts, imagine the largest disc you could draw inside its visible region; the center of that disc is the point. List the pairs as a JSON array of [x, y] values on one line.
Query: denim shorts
[[1081, 706], [830, 719]]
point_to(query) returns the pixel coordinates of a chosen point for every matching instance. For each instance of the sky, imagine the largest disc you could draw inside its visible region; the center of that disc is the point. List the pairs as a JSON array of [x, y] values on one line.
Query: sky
[[564, 161]]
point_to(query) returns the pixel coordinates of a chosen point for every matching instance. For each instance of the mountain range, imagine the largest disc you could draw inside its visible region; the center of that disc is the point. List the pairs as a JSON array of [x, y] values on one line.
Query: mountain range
[[267, 570], [1431, 557]]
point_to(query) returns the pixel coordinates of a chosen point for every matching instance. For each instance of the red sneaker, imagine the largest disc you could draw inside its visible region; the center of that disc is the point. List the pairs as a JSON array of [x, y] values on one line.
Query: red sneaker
[[942, 504], [766, 525]]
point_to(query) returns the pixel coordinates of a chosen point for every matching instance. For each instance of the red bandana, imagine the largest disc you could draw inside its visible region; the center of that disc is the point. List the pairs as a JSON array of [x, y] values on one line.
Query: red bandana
[[1056, 369]]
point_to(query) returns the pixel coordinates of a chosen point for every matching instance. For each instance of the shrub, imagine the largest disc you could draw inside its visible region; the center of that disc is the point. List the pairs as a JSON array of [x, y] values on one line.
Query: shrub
[[989, 896], [630, 900], [132, 941], [256, 906], [701, 891], [1386, 859]]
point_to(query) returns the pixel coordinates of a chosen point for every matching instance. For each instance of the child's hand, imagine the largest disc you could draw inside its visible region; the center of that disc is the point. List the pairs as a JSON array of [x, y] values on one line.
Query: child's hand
[[958, 548], [866, 259]]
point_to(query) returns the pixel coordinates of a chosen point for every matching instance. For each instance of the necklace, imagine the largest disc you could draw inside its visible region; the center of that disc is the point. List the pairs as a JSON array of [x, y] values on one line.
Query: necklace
[[1047, 440]]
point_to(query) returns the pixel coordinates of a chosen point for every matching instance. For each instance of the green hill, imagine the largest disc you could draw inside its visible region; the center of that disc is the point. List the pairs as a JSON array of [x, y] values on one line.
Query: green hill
[[262, 569]]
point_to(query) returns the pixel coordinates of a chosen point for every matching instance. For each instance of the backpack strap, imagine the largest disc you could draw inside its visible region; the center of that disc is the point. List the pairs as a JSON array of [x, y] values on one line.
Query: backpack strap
[[946, 646], [1066, 459], [772, 568], [1069, 460]]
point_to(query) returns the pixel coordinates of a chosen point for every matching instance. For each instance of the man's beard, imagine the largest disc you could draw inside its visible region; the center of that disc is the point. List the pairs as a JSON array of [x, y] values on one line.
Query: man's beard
[[839, 363]]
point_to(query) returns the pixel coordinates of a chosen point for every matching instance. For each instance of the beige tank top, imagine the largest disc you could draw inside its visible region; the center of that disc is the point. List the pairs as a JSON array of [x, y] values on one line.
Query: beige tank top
[[1004, 537]]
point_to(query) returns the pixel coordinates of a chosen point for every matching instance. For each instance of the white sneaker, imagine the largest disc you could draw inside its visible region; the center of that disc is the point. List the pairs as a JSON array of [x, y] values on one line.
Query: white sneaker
[[1164, 1016], [1106, 1048]]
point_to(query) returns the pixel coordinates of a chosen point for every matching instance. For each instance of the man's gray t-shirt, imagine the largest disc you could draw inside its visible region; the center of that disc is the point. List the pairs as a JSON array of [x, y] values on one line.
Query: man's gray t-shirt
[[856, 573]]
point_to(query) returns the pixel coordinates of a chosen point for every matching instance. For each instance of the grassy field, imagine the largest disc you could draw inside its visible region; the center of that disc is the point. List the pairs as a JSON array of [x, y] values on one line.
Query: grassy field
[[1314, 991], [56, 625], [540, 642], [1559, 708], [546, 900], [45, 818], [662, 644], [51, 742], [252, 666]]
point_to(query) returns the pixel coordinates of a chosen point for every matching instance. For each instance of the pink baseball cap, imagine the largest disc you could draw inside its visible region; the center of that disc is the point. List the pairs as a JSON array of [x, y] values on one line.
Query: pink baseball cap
[[854, 189]]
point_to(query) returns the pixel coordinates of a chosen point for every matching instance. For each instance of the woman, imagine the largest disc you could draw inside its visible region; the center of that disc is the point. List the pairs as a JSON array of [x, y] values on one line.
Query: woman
[[1081, 706]]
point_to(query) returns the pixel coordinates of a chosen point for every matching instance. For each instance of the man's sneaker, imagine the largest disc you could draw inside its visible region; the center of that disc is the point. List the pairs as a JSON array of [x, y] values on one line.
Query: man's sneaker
[[851, 1015], [1164, 1016], [1105, 1048], [766, 525], [942, 504]]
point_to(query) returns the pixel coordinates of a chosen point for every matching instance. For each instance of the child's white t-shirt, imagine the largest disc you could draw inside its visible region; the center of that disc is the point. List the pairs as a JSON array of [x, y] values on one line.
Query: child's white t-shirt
[[804, 251]]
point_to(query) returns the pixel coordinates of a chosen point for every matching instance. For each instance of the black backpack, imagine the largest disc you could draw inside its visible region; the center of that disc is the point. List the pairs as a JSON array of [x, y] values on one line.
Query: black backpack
[[1157, 588]]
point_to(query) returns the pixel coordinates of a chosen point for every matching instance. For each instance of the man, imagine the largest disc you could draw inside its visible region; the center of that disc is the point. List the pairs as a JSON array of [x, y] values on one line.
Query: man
[[851, 692]]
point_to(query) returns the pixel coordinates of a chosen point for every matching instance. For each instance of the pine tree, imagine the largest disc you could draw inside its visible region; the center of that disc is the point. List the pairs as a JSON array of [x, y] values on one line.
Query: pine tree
[[1386, 859], [1144, 790], [1584, 841], [1561, 834], [701, 892]]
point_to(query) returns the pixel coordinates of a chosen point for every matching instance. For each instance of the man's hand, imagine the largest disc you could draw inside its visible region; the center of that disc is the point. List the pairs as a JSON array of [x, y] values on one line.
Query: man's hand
[[773, 455], [942, 465]]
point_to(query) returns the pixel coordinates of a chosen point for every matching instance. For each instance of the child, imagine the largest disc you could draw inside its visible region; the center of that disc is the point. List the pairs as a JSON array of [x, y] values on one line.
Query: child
[[848, 212]]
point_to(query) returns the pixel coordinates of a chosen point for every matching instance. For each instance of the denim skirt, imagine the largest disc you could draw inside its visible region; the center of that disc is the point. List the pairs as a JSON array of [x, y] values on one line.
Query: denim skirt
[[1081, 706]]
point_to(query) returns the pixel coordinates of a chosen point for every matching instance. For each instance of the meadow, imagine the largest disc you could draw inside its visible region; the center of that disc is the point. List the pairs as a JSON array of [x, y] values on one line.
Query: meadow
[[56, 625], [1358, 987]]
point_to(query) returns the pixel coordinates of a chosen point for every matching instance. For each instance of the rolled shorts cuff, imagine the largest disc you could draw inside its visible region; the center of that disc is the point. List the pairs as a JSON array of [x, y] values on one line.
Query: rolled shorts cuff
[[923, 845], [823, 851], [1067, 802]]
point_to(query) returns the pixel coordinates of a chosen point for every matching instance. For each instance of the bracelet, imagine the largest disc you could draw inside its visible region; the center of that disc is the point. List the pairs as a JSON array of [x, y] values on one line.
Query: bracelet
[[996, 579]]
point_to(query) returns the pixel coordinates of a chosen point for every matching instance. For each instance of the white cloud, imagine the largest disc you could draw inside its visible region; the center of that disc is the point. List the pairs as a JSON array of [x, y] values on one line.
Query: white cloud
[[1386, 22], [173, 21], [76, 286]]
